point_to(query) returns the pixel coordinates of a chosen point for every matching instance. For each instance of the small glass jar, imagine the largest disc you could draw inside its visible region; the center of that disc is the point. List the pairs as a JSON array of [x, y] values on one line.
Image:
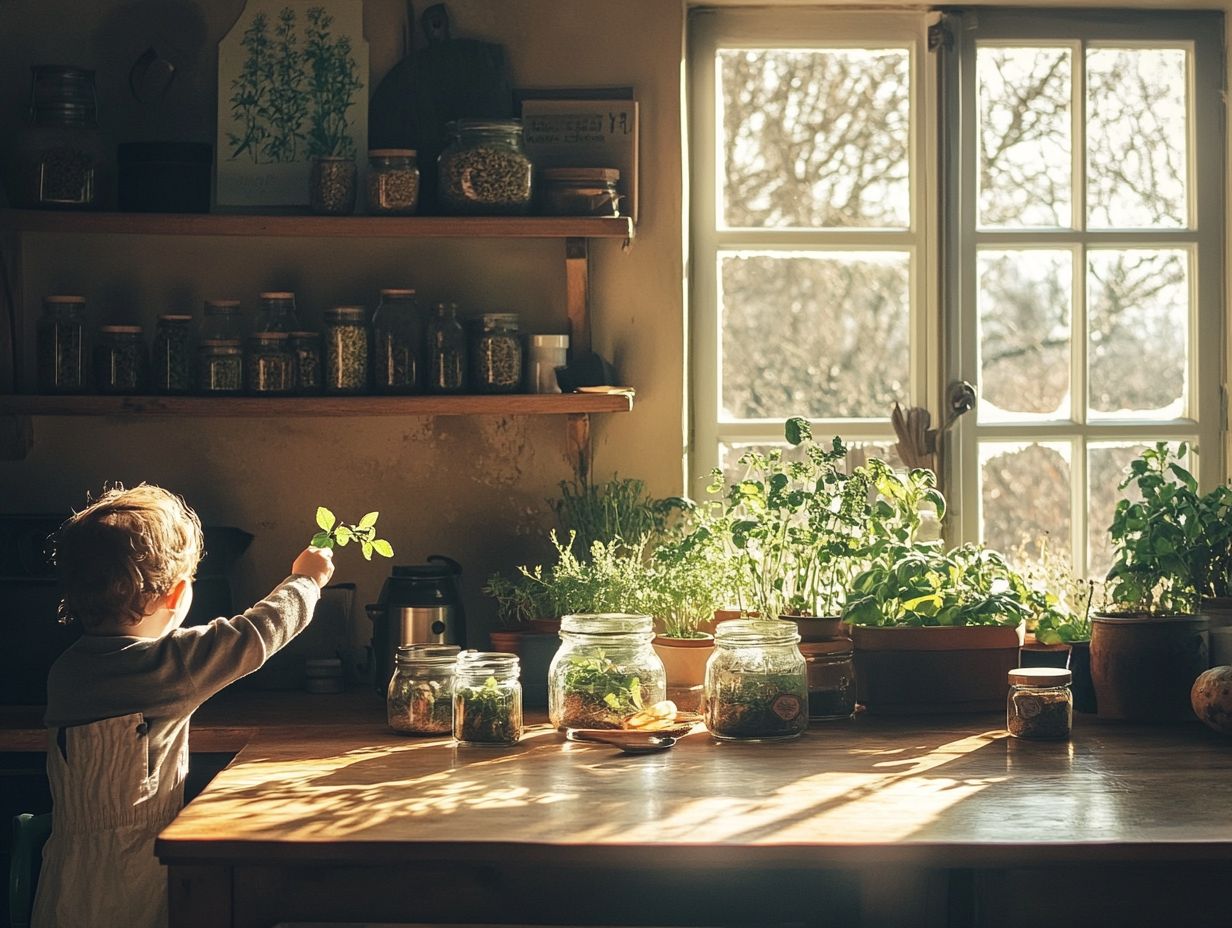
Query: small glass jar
[[419, 700], [171, 359], [331, 186], [276, 312], [1040, 705], [484, 170], [223, 319], [446, 350], [487, 699], [306, 353], [398, 344], [220, 367], [393, 182], [121, 362], [580, 191], [604, 671], [496, 354], [62, 349], [268, 366], [63, 160], [831, 679], [346, 350], [756, 685], [547, 352]]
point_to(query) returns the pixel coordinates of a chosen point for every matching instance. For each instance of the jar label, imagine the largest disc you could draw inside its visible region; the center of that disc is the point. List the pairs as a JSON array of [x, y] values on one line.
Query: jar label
[[788, 706], [1028, 707]]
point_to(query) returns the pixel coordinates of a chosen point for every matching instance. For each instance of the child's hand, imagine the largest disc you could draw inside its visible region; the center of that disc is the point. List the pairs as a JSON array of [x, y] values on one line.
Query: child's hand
[[316, 564]]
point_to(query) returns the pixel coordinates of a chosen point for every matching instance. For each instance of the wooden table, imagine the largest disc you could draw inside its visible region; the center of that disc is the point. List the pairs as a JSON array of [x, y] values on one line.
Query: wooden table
[[873, 822]]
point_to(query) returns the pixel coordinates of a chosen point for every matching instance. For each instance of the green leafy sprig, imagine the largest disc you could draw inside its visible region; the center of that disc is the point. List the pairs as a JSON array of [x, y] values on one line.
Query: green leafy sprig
[[340, 534]]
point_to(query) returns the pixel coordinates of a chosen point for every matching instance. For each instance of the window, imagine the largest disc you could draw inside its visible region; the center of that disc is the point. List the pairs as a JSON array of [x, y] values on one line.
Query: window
[[1019, 209]]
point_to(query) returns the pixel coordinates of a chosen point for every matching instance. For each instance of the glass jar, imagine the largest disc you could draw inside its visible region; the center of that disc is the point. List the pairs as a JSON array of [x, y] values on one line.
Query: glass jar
[[496, 354], [276, 312], [220, 366], [62, 345], [484, 170], [487, 698], [62, 157], [398, 344], [756, 686], [580, 191], [446, 350], [331, 186], [172, 355], [346, 350], [547, 352], [306, 353], [121, 363], [268, 367], [604, 671], [393, 182], [419, 700], [1040, 704], [831, 679], [223, 319]]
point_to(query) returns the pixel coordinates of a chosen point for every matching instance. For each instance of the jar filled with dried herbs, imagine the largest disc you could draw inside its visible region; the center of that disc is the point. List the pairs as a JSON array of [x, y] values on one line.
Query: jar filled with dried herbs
[[484, 170], [346, 350], [62, 345], [604, 671], [276, 312], [172, 354], [446, 350], [62, 157], [496, 354], [487, 698], [756, 686], [306, 353], [220, 367], [1040, 704], [580, 191], [331, 186], [121, 362], [393, 182], [268, 366], [419, 700], [223, 319], [398, 344]]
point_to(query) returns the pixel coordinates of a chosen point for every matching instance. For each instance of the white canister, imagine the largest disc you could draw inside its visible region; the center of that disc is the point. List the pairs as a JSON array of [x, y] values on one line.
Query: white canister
[[547, 352]]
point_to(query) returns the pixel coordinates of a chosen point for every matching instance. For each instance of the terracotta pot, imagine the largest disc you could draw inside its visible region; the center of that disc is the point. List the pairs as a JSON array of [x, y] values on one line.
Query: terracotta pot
[[1082, 686], [1034, 654], [545, 626], [817, 627], [509, 640], [1144, 666], [684, 659], [909, 670], [1218, 611]]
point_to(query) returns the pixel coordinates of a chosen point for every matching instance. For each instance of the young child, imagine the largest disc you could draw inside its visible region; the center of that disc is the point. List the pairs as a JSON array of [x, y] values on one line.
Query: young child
[[120, 698]]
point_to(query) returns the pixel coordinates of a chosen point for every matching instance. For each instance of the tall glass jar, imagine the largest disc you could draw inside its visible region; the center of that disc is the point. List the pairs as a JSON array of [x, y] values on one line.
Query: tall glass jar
[[831, 679], [446, 350], [398, 344], [419, 700], [346, 350], [62, 352], [268, 367], [1040, 705], [487, 698], [393, 182], [496, 354], [63, 159], [604, 671], [276, 312], [484, 170], [331, 186], [223, 319], [756, 688], [121, 362], [220, 367], [306, 355], [171, 358]]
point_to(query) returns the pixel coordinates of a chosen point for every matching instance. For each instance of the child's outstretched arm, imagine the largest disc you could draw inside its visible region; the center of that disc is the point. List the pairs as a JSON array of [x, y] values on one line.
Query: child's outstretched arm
[[221, 652]]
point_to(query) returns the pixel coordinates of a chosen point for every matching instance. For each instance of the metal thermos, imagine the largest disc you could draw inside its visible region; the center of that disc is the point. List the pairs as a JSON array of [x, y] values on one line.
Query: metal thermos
[[419, 604]]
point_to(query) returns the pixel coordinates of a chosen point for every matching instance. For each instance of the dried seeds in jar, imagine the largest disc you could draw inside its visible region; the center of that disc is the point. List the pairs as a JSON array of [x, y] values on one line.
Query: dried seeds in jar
[[121, 362], [61, 345], [306, 353], [496, 354], [220, 366], [393, 181], [346, 350], [398, 344], [484, 170], [331, 186], [172, 356], [268, 368]]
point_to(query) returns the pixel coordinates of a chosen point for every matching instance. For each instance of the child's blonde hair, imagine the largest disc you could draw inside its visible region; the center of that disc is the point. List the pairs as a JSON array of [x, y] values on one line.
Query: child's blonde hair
[[123, 551]]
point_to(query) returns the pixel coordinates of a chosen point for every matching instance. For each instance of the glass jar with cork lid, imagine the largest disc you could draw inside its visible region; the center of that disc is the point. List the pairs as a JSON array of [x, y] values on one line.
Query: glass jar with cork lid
[[484, 170], [393, 182], [121, 361], [496, 354], [62, 352], [346, 350], [1040, 705]]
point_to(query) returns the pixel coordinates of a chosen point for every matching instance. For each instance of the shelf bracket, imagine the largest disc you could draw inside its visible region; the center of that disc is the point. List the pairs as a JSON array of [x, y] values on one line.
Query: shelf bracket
[[577, 295], [579, 450]]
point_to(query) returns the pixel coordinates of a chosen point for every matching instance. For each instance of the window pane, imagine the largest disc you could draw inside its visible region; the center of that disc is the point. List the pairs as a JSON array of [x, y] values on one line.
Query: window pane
[[1025, 309], [817, 334], [1138, 318], [1106, 465], [815, 138], [1137, 154], [1025, 495], [1025, 136]]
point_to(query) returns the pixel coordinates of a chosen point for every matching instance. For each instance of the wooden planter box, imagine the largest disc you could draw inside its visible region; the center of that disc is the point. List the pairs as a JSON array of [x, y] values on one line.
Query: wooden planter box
[[915, 671]]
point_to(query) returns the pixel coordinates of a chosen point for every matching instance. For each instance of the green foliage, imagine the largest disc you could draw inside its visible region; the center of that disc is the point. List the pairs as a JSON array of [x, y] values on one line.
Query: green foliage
[[688, 577], [619, 508], [332, 80], [599, 680], [334, 533], [1063, 601]]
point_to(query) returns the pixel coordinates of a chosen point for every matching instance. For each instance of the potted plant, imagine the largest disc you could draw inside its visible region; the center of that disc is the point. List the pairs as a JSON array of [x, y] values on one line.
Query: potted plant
[[1210, 557], [330, 78], [1062, 611], [1148, 650]]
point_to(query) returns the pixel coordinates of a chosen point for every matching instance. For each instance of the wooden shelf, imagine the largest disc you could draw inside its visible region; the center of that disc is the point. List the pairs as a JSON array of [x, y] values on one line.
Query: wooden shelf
[[520, 404], [307, 226]]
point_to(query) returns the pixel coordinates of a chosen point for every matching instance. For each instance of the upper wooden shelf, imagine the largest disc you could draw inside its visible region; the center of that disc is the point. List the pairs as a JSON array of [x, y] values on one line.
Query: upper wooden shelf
[[517, 404], [307, 226]]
